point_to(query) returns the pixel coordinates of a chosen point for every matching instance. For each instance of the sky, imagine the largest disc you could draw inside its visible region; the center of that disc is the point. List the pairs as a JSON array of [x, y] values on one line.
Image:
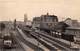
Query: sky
[[15, 9]]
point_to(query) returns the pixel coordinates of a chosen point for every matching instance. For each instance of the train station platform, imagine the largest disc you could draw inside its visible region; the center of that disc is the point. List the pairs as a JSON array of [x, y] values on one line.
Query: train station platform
[[72, 44]]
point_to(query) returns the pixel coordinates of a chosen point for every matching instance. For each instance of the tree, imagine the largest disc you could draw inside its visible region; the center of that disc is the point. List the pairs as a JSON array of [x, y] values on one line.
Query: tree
[[2, 26]]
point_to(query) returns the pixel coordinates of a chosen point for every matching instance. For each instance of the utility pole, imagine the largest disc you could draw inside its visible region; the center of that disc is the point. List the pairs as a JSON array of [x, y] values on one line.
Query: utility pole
[[15, 24]]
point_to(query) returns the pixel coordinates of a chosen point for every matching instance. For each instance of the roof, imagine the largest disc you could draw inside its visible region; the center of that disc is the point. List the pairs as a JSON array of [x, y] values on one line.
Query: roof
[[36, 19], [73, 28], [49, 16]]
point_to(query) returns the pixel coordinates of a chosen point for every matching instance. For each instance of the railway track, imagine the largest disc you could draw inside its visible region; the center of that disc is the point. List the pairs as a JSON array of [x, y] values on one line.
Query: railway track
[[44, 43], [51, 43], [59, 46], [17, 46], [47, 42], [54, 39], [31, 45]]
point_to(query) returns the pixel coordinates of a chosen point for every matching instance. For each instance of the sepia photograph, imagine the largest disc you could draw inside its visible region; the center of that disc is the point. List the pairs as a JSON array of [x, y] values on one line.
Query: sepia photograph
[[39, 25]]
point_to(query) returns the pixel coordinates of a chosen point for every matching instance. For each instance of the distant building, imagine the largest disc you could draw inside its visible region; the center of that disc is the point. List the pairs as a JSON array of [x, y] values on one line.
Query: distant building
[[20, 23], [45, 21], [75, 23], [36, 22], [26, 21], [29, 23], [61, 26], [73, 31], [72, 23], [25, 18], [68, 21]]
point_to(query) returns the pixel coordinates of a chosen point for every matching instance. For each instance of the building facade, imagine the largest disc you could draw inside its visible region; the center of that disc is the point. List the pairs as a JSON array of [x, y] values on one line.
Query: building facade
[[72, 23], [45, 21], [68, 21], [73, 31], [48, 21], [36, 22]]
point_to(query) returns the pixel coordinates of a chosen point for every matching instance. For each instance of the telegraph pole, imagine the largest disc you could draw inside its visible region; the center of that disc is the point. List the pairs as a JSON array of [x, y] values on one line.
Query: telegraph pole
[[15, 24]]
